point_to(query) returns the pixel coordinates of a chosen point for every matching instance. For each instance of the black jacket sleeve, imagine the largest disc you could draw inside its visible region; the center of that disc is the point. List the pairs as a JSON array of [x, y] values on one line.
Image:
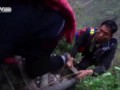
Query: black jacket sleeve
[[106, 60], [79, 42]]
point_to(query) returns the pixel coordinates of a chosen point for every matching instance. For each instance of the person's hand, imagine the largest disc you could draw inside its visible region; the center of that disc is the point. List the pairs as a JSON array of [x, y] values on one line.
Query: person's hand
[[84, 73], [69, 61]]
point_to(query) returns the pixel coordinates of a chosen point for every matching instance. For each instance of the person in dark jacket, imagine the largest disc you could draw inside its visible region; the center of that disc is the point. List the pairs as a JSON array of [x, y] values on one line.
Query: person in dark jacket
[[97, 46], [32, 30]]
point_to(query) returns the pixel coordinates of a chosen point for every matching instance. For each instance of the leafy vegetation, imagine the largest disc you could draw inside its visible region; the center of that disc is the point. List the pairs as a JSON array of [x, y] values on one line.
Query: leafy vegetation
[[106, 81]]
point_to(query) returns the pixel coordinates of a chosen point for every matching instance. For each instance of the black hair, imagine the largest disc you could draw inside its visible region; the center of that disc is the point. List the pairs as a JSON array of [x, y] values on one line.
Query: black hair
[[111, 24]]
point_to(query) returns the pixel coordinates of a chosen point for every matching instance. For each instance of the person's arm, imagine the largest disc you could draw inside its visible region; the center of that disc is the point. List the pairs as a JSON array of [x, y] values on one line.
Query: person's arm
[[79, 42], [106, 61], [58, 61], [64, 7], [105, 65], [67, 12]]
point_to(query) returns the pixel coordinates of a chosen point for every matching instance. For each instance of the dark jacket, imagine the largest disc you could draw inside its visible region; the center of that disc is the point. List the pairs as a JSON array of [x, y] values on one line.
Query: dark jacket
[[32, 30], [102, 54], [35, 22]]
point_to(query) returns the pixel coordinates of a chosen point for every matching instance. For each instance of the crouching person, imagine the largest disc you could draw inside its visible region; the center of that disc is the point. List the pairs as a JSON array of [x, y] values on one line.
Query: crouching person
[[98, 48]]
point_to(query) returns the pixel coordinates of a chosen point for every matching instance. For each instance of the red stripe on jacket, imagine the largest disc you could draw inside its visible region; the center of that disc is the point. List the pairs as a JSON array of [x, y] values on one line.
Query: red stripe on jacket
[[70, 21]]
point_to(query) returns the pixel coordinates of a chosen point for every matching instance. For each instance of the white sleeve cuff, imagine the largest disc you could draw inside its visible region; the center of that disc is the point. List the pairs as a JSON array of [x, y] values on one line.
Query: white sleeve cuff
[[64, 59]]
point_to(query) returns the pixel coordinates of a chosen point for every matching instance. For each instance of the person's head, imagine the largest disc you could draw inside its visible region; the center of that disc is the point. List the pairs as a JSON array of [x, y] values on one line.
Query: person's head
[[106, 31]]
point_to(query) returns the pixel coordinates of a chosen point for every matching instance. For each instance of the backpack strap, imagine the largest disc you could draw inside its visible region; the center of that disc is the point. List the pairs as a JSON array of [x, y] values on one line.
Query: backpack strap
[[90, 30]]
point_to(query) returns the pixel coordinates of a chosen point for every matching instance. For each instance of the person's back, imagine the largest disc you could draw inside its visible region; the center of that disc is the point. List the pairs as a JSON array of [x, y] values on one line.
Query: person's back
[[32, 31]]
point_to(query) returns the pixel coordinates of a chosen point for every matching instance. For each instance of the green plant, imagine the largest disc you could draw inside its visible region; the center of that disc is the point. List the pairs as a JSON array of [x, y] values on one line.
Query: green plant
[[63, 46], [106, 81]]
